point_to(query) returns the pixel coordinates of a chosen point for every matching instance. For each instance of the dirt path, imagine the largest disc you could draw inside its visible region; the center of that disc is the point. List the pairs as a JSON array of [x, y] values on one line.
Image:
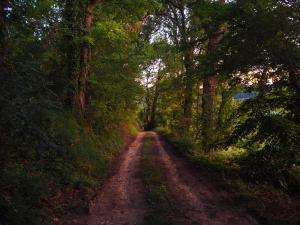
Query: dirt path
[[199, 203], [120, 201]]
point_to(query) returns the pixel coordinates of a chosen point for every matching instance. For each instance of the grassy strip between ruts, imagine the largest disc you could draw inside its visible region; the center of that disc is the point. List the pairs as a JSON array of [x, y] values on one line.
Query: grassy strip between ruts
[[158, 198]]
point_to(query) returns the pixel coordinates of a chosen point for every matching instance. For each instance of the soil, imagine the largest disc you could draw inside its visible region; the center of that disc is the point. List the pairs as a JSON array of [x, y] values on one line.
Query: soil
[[120, 200], [198, 201]]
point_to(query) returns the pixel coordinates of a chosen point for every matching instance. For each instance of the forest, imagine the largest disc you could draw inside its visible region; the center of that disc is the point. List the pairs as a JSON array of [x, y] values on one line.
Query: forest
[[149, 112]]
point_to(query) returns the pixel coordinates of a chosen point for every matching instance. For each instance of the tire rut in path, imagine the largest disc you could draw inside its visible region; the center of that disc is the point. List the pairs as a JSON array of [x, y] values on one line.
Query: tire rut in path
[[121, 201], [199, 203]]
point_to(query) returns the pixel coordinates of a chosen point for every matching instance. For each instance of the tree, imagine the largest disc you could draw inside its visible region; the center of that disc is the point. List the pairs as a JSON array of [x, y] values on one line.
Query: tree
[[43, 143], [153, 74], [176, 23], [210, 85], [262, 46], [80, 92]]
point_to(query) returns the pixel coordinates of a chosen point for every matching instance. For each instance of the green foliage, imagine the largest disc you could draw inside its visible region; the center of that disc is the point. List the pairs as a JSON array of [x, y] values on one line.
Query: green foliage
[[183, 145], [272, 154], [267, 126], [46, 151]]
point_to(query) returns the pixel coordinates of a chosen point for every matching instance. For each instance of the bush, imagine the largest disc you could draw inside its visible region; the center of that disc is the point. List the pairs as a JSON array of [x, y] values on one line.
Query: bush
[[271, 136], [182, 145]]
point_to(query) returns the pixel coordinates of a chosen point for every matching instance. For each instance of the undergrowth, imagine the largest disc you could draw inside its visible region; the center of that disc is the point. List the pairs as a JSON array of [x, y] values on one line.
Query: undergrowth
[[262, 194], [51, 183]]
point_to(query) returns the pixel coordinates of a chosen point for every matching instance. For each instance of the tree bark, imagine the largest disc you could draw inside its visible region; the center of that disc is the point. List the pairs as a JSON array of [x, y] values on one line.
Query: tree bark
[[80, 93], [188, 91], [152, 122], [188, 78], [209, 103], [148, 105]]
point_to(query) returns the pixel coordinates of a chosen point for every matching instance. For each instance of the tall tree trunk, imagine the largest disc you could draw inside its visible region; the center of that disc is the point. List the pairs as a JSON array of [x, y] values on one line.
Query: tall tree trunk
[[188, 91], [152, 122], [209, 103], [147, 106], [80, 93], [198, 130], [187, 48]]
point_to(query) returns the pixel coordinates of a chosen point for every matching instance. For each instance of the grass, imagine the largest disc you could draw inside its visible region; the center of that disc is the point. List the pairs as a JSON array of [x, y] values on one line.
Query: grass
[[158, 198]]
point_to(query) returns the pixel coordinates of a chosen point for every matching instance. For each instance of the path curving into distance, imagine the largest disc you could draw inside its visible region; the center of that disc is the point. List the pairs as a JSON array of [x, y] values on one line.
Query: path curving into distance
[[121, 199]]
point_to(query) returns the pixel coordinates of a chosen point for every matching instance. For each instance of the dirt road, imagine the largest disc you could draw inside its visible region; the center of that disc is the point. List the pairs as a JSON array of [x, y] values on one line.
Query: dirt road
[[121, 200], [199, 201]]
